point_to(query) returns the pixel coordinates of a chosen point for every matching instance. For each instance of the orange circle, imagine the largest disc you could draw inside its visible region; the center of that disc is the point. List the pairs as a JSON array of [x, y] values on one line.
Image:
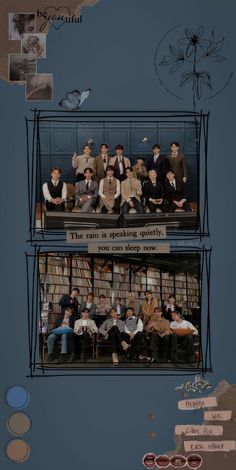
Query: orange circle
[[18, 424], [17, 450]]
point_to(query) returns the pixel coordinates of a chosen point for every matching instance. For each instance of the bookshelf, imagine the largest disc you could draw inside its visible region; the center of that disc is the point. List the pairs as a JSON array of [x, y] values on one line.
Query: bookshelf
[[121, 280], [102, 270], [81, 275], [112, 277]]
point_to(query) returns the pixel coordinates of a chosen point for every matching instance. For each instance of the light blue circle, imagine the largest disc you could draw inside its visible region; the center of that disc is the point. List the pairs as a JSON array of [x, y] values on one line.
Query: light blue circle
[[17, 397]]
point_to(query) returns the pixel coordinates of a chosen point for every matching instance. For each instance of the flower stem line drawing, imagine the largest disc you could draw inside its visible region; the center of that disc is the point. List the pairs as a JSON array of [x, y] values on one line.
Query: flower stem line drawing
[[191, 56]]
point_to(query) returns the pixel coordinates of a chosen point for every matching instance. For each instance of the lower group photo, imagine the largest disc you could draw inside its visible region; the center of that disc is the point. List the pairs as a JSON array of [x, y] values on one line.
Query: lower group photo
[[137, 311]]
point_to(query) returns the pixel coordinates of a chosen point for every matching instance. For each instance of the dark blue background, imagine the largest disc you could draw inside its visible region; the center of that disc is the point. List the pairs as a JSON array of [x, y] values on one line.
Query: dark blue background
[[102, 422]]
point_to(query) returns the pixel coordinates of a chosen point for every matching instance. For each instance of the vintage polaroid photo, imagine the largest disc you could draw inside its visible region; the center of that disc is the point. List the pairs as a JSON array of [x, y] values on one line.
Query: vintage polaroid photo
[[34, 44], [21, 23], [20, 65], [39, 87], [127, 311]]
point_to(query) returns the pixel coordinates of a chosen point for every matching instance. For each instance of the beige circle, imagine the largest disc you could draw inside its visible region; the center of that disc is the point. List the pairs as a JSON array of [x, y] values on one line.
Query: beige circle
[[18, 450], [18, 424]]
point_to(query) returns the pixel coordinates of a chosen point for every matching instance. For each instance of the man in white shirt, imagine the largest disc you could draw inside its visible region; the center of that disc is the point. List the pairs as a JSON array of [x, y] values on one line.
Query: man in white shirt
[[133, 334], [84, 329], [187, 339], [55, 191], [80, 162], [109, 192]]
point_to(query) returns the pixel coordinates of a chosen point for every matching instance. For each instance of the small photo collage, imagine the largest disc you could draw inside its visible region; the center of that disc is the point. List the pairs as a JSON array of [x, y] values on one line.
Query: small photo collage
[[23, 66]]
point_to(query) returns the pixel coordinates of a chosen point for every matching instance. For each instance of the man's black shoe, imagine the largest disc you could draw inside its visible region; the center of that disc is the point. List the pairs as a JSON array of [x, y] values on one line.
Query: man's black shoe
[[62, 358]]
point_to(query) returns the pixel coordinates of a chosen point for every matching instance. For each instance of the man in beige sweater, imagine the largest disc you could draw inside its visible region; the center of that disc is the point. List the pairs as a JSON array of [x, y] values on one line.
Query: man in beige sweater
[[148, 306], [131, 190], [159, 331]]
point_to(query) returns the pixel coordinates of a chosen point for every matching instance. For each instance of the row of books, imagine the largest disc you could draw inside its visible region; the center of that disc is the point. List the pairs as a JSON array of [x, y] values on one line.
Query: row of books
[[77, 272], [81, 263], [102, 276], [51, 279], [102, 284], [80, 282]]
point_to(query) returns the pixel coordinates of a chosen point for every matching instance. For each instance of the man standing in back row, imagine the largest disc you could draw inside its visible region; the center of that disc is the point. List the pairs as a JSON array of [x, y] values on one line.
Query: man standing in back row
[[177, 162], [101, 163], [120, 163], [80, 162], [159, 163]]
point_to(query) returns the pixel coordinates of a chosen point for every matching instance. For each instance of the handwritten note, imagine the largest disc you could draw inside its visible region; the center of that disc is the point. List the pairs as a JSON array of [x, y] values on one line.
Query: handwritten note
[[225, 415], [209, 446], [198, 430], [197, 404]]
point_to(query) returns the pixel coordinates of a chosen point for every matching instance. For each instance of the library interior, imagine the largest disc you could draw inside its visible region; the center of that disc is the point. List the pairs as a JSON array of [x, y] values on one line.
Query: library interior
[[133, 311]]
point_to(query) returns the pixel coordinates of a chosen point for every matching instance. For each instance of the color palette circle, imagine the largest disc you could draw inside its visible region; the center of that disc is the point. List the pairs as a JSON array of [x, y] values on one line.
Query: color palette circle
[[17, 450], [18, 424], [17, 397]]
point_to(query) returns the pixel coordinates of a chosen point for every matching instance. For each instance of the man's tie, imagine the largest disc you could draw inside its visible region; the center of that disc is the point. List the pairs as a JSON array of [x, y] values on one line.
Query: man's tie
[[87, 186], [173, 184], [109, 180]]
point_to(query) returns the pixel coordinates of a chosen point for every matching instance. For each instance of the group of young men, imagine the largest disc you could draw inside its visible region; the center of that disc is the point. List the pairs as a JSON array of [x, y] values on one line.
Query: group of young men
[[148, 329], [113, 185]]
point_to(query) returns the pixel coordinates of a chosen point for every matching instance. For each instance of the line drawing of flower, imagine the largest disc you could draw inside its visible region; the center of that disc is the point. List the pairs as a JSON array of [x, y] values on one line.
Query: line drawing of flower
[[194, 41], [198, 80], [197, 48], [176, 59]]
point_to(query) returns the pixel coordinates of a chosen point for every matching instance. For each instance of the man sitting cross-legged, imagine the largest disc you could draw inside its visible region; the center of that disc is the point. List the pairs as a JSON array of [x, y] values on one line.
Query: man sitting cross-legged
[[113, 329], [86, 192], [131, 190]]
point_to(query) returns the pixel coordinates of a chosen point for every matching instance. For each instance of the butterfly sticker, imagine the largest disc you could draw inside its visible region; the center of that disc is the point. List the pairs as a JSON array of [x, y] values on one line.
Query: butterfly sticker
[[74, 99]]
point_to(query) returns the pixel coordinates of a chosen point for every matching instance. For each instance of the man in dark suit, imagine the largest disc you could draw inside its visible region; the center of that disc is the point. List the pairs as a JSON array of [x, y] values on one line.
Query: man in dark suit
[[70, 301], [101, 163], [159, 163], [120, 163], [86, 192], [119, 308], [174, 192], [177, 162], [154, 193]]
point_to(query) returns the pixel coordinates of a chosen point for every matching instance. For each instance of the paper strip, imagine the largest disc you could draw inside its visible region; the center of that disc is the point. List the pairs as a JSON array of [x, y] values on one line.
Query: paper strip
[[197, 404], [125, 248], [156, 232], [217, 415], [198, 430], [209, 446]]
